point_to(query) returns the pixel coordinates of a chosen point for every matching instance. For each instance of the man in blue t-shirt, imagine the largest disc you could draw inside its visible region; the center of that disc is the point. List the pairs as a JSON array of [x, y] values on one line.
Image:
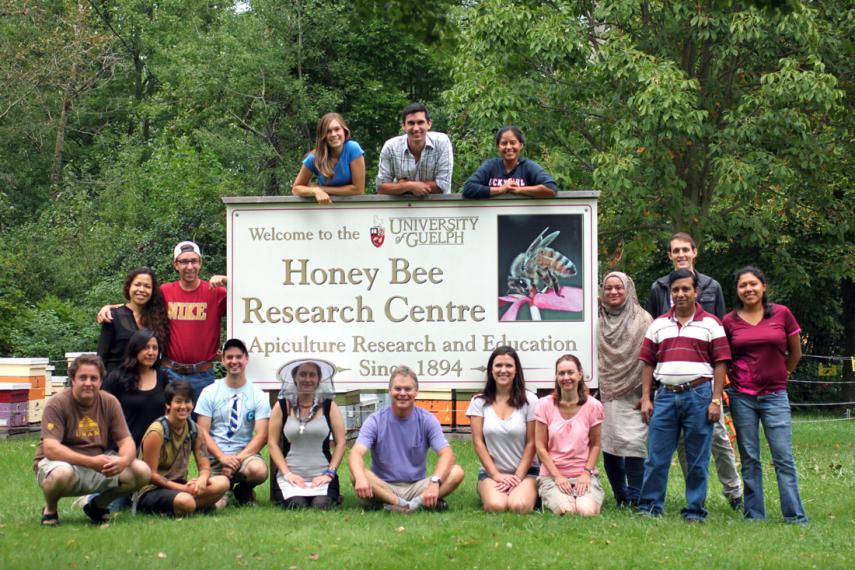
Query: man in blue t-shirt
[[398, 437], [233, 415]]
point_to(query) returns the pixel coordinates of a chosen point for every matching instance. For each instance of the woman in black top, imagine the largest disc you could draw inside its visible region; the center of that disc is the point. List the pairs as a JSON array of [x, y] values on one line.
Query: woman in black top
[[139, 384], [145, 309]]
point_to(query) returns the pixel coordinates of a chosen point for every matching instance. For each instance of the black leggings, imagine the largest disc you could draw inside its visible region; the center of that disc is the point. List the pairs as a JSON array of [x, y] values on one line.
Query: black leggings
[[322, 502]]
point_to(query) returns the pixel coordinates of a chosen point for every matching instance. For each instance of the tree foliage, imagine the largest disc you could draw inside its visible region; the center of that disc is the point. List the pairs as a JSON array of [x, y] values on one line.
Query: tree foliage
[[124, 122], [723, 119], [199, 101]]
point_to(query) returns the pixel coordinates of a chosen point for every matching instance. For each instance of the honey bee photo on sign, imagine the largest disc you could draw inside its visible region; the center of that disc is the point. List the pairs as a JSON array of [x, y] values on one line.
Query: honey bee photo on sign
[[541, 273]]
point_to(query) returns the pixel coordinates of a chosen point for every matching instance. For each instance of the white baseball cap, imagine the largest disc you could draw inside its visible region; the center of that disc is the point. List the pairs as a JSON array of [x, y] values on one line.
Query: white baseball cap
[[186, 247]]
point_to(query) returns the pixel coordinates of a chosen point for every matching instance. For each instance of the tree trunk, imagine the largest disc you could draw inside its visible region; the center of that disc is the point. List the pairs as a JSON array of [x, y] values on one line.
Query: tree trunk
[[56, 170]]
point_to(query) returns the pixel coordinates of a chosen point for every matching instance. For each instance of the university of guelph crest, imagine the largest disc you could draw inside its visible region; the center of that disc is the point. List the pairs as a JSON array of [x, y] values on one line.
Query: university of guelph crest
[[378, 232]]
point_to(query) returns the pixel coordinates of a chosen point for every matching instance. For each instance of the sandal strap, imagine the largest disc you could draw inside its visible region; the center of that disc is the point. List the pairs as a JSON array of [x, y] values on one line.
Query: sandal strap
[[50, 519]]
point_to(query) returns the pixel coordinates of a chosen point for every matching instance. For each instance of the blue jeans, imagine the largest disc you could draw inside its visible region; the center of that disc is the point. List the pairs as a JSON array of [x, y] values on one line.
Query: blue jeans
[[198, 380], [675, 413], [625, 476], [774, 411]]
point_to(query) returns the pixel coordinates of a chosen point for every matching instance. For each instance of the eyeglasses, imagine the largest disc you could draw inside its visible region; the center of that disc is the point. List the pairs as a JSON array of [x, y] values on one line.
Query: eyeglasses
[[186, 262]]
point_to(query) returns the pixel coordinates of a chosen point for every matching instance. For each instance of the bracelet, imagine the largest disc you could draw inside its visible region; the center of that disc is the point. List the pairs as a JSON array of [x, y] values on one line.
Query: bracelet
[[329, 471]]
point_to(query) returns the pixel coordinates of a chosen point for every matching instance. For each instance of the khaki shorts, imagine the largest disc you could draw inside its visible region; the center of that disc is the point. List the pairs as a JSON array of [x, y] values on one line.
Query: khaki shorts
[[553, 498], [402, 489], [86, 481], [409, 491], [217, 467]]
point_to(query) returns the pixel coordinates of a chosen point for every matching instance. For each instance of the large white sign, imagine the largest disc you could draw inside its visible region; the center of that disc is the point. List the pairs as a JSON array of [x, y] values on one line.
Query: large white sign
[[436, 284]]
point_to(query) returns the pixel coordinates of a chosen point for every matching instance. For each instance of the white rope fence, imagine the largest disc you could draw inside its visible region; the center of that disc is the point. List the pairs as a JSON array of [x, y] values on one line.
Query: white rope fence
[[848, 419]]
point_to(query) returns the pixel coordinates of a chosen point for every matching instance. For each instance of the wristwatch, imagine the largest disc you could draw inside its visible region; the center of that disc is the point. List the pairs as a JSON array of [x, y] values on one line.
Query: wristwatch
[[436, 480], [717, 401]]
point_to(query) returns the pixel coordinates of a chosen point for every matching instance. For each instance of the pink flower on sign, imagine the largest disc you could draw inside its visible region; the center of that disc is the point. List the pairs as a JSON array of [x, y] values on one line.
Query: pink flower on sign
[[570, 300]]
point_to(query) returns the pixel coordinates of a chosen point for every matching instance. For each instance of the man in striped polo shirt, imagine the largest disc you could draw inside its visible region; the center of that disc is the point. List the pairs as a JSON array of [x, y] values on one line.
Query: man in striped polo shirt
[[683, 253], [686, 352]]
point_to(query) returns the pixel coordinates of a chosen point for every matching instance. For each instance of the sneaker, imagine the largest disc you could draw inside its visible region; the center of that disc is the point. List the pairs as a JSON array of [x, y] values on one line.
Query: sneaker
[[441, 506], [96, 514], [736, 503], [244, 494], [82, 501]]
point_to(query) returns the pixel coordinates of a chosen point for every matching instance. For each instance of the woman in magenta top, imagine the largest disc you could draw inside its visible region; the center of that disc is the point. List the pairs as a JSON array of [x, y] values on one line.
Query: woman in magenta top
[[766, 347], [567, 439]]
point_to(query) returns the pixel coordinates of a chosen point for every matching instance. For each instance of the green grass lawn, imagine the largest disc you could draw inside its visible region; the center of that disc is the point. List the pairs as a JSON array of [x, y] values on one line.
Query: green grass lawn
[[265, 536]]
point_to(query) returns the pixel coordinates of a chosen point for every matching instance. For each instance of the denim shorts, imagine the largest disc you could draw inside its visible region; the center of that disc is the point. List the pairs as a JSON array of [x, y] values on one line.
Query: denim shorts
[[532, 472]]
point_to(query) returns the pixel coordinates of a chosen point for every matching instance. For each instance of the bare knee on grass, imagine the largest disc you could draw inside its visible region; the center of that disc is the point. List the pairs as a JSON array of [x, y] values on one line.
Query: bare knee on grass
[[494, 503], [567, 508], [184, 504], [587, 507], [520, 504]]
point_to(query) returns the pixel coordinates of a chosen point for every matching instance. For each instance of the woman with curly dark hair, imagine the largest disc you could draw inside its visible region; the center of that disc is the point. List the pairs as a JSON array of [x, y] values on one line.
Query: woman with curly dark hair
[[145, 309]]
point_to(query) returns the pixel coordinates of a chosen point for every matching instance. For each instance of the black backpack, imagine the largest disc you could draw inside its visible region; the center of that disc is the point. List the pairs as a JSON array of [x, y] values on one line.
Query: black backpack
[[167, 431]]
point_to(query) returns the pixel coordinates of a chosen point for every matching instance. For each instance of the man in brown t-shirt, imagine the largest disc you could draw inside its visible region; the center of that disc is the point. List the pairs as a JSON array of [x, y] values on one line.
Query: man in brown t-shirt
[[71, 460]]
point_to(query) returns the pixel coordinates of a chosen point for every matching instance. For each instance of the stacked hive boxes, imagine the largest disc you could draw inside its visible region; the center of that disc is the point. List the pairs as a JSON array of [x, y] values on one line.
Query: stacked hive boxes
[[447, 411], [27, 371], [57, 383], [70, 356], [13, 404]]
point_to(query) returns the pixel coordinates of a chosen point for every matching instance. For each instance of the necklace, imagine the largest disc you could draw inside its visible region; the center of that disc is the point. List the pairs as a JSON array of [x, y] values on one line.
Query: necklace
[[312, 411]]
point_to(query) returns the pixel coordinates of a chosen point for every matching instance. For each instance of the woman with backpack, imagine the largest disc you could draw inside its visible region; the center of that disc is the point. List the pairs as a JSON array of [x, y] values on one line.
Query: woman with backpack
[[303, 422], [166, 448]]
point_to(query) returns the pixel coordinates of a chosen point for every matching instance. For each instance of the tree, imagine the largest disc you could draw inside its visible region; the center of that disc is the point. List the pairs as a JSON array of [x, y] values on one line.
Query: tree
[[723, 120], [68, 58]]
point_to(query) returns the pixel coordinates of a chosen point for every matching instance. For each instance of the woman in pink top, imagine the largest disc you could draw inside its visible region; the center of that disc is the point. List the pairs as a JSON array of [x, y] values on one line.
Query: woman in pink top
[[567, 438], [766, 347]]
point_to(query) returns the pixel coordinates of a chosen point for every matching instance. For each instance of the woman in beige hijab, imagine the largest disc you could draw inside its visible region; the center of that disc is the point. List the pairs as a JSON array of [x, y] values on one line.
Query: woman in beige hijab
[[623, 323]]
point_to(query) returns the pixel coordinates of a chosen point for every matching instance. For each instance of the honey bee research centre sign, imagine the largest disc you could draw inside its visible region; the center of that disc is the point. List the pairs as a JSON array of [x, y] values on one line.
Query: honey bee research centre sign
[[436, 284]]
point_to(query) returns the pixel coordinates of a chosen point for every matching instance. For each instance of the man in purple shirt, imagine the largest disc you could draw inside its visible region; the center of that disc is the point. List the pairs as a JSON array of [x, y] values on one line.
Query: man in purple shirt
[[398, 437]]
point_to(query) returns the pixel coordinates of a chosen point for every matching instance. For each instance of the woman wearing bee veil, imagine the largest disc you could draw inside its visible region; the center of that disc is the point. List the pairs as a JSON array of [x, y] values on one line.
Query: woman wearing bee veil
[[623, 323], [303, 421]]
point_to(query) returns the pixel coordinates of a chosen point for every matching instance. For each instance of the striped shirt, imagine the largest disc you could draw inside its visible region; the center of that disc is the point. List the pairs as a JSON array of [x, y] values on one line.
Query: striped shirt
[[435, 163], [682, 353]]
